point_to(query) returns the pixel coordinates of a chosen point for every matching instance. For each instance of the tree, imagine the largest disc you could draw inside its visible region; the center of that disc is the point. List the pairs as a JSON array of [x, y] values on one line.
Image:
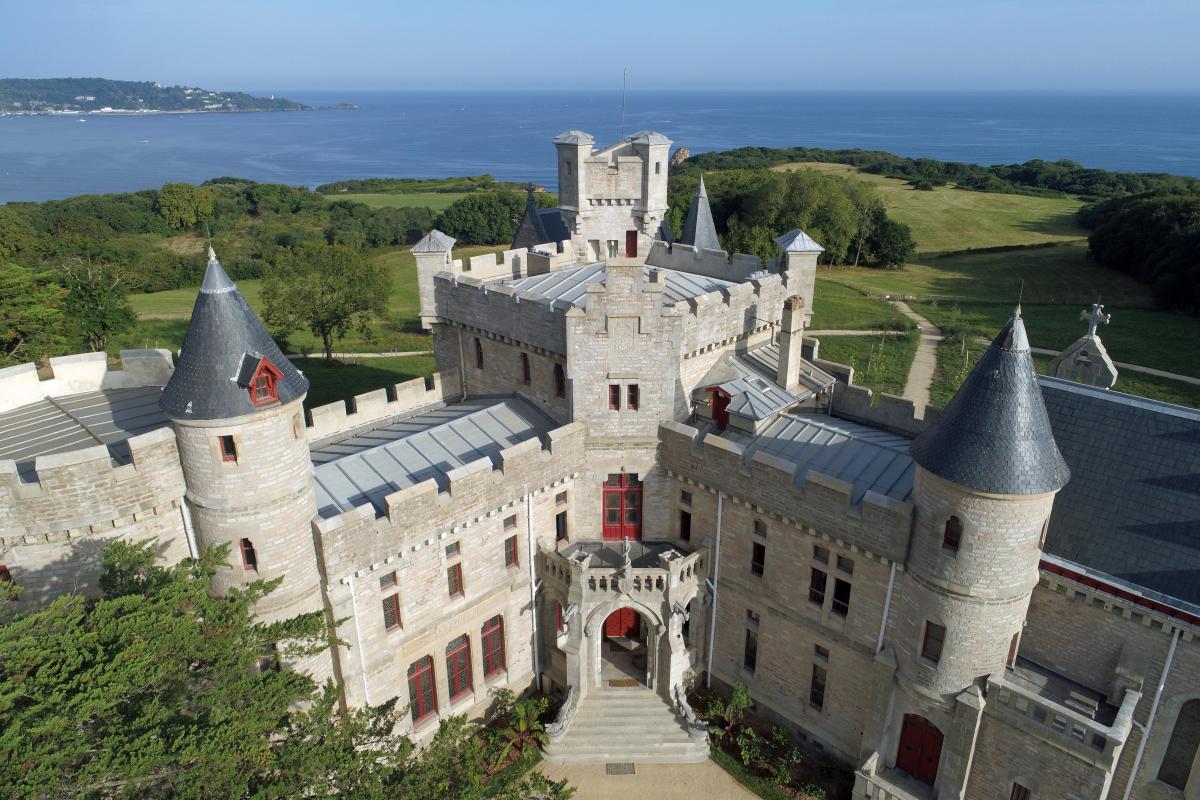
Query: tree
[[31, 317], [890, 243], [96, 304], [487, 217], [328, 288], [18, 239], [183, 205], [158, 689]]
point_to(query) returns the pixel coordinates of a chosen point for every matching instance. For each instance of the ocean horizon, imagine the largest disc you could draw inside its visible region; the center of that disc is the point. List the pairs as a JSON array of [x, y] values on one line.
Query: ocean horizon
[[432, 134]]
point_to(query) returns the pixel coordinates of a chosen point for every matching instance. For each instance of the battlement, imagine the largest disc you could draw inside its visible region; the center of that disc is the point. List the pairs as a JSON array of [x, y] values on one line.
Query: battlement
[[514, 263], [82, 489], [877, 524], [473, 489], [892, 413], [372, 407], [83, 372], [699, 261]]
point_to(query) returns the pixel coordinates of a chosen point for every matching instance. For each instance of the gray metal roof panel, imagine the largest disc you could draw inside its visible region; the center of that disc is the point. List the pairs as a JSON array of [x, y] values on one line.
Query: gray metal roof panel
[[434, 242], [797, 241], [994, 435], [564, 288]]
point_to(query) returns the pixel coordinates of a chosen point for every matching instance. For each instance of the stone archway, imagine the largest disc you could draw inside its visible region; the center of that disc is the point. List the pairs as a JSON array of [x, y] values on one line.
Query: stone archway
[[642, 648]]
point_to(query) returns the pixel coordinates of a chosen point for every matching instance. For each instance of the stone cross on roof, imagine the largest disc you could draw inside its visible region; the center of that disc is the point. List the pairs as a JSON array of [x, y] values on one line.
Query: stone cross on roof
[[1094, 317]]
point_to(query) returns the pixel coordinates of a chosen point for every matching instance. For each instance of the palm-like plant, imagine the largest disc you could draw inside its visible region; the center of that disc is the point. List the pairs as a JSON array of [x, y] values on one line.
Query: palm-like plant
[[524, 728]]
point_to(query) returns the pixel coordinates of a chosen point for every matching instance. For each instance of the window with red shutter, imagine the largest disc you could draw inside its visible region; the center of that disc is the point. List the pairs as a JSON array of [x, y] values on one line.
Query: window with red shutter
[[454, 580], [458, 667], [421, 691], [493, 646], [391, 612], [510, 552]]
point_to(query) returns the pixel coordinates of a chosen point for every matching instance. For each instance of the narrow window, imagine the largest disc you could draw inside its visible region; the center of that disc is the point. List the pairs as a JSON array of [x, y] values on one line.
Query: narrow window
[[558, 618], [560, 526], [567, 164], [560, 381], [1012, 648], [510, 552], [478, 353], [492, 636], [526, 373], [1176, 767], [228, 448], [750, 654], [421, 692], [454, 580], [820, 654], [388, 581], [816, 688], [820, 554], [760, 528], [753, 618], [685, 525], [931, 647], [841, 597], [510, 522], [560, 499], [1019, 792], [391, 612], [685, 629], [758, 559], [458, 667], [685, 497], [952, 535], [845, 565], [816, 587], [249, 557], [453, 549], [614, 397], [657, 167], [631, 397]]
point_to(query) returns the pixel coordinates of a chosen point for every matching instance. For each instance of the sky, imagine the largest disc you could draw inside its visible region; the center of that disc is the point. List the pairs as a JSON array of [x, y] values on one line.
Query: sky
[[1049, 45]]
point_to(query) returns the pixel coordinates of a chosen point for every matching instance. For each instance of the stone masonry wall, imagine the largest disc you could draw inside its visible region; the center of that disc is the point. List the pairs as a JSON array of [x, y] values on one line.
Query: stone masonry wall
[[83, 372], [372, 407]]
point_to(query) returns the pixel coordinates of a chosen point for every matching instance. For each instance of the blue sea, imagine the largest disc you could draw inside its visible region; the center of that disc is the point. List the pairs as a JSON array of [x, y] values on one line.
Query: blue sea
[[436, 134]]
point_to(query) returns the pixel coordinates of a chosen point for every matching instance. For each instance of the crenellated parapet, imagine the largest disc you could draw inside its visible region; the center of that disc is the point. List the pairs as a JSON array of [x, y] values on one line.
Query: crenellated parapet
[[890, 413], [877, 524], [84, 491], [83, 372], [700, 261], [369, 408]]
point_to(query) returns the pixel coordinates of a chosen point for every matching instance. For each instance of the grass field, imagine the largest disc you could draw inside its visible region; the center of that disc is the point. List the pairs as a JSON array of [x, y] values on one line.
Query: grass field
[[881, 363], [949, 219], [344, 379], [435, 200], [841, 307]]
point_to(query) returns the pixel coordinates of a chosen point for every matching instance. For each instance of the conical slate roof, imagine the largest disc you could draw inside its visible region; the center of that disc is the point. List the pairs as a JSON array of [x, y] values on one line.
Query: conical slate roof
[[699, 230], [224, 342], [995, 435]]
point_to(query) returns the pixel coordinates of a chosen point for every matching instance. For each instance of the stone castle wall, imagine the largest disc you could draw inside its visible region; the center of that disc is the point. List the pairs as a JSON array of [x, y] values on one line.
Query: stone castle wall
[[83, 372], [333, 420]]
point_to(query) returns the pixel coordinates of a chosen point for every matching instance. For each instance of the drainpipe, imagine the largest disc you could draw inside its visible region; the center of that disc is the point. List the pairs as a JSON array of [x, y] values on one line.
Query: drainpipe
[[1162, 681], [362, 664], [716, 562], [462, 366], [533, 590], [189, 532], [887, 604]]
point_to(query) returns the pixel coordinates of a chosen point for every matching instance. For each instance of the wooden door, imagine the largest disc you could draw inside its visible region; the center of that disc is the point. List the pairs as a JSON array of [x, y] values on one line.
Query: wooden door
[[623, 622], [631, 244], [622, 507], [720, 406], [920, 748]]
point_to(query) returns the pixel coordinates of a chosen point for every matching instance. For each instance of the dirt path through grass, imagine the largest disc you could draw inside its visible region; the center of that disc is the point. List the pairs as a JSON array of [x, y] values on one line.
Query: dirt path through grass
[[920, 374]]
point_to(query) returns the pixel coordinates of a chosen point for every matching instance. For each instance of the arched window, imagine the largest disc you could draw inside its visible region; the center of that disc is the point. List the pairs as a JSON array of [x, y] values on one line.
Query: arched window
[[421, 692], [1176, 767], [249, 557], [560, 381], [492, 636], [458, 666], [526, 373], [952, 535], [478, 353]]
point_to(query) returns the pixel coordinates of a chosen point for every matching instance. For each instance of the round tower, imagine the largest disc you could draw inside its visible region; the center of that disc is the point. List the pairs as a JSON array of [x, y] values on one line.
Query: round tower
[[987, 473], [235, 403]]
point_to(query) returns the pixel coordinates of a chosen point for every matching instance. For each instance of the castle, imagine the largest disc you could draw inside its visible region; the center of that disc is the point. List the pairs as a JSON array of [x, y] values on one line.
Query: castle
[[633, 472]]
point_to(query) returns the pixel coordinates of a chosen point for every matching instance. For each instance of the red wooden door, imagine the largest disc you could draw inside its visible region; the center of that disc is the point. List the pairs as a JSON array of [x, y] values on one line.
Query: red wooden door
[[631, 244], [720, 404], [622, 507], [623, 622], [920, 748]]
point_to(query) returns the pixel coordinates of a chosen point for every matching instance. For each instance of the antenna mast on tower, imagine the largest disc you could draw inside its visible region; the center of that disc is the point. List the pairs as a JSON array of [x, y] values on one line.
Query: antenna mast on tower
[[624, 88]]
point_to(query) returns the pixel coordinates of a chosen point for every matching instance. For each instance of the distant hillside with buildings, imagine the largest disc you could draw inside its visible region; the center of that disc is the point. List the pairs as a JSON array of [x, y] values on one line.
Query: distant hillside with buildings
[[90, 95]]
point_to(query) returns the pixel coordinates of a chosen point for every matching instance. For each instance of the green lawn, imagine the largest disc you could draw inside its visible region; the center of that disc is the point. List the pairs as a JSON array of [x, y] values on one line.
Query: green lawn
[[163, 316], [840, 307], [949, 219], [435, 200], [342, 380], [881, 363]]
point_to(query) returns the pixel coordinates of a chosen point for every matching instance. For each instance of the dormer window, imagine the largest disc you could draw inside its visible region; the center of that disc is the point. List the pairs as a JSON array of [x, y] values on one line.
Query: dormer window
[[260, 378]]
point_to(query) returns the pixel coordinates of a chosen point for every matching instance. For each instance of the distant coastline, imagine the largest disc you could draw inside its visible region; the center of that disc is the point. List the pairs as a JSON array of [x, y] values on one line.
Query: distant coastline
[[86, 96]]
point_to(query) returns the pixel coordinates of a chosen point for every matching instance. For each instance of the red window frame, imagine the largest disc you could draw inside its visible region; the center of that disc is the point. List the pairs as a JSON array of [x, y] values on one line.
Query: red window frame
[[929, 643], [391, 612], [492, 637], [526, 372], [249, 556], [631, 397], [622, 507], [454, 580], [422, 691], [458, 667], [263, 386], [478, 353], [614, 397], [558, 618], [228, 448], [560, 381], [511, 559]]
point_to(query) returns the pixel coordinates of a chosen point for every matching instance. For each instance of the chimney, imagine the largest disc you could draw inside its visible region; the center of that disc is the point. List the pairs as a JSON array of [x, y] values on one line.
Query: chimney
[[791, 335]]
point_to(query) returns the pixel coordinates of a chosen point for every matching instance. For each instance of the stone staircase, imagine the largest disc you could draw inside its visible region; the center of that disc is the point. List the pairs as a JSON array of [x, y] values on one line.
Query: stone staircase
[[626, 725]]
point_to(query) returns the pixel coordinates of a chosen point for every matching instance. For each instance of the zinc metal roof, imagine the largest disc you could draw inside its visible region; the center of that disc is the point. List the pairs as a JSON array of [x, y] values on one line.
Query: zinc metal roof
[[565, 288], [797, 241], [433, 242], [73, 422], [367, 466], [765, 359], [573, 137], [870, 459]]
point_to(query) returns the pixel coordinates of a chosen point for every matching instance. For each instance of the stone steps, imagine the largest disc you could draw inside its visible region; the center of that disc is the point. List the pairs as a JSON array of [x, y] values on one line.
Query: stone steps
[[625, 725]]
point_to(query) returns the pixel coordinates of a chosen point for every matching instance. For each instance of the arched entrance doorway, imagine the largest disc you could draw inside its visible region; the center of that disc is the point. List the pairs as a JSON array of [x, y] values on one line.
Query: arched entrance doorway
[[623, 653], [920, 748]]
